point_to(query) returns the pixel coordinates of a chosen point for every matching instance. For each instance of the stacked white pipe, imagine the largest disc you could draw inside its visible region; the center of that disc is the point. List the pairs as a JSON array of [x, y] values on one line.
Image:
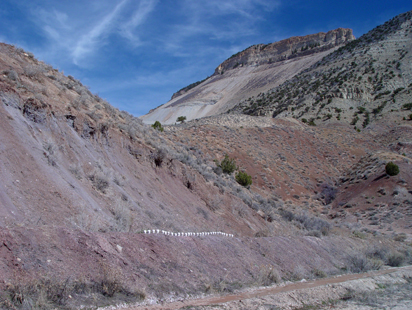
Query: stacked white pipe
[[186, 234]]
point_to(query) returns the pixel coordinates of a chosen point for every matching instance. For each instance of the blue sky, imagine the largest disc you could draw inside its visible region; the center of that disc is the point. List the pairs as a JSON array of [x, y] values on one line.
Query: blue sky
[[137, 53]]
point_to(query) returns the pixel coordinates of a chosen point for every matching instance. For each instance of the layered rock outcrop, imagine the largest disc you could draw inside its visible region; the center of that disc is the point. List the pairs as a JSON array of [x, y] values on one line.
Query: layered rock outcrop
[[287, 49], [257, 69]]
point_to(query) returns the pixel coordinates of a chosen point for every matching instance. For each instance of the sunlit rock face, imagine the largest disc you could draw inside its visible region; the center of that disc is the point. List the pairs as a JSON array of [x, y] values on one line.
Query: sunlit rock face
[[248, 73]]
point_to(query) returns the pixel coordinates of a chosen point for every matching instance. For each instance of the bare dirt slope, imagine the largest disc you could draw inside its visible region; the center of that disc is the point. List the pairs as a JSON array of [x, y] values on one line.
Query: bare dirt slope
[[328, 169]]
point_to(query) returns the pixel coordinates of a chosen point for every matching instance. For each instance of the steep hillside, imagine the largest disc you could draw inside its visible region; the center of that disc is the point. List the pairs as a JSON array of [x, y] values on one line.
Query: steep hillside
[[254, 70], [357, 84], [331, 170], [81, 183]]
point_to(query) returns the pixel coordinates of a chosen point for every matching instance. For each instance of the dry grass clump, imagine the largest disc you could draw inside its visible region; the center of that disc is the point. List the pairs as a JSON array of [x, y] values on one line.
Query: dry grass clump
[[43, 293], [215, 203], [299, 272], [319, 273], [11, 75], [395, 259], [84, 220], [262, 233], [374, 259], [359, 262], [221, 285], [76, 170], [123, 216], [34, 71], [99, 181], [315, 226], [50, 153], [401, 237], [267, 276], [359, 234], [50, 293], [110, 282], [158, 157]]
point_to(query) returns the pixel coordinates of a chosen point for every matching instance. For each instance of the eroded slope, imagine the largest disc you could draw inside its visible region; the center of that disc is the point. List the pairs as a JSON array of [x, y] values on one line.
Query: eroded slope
[[248, 73], [81, 181]]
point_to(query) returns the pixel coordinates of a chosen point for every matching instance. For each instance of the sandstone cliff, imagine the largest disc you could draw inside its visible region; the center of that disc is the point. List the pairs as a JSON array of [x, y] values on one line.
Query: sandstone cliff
[[287, 49], [248, 73]]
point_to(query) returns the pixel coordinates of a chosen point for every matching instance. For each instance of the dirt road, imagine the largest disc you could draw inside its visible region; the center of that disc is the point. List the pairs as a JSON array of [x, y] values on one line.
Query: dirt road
[[260, 293]]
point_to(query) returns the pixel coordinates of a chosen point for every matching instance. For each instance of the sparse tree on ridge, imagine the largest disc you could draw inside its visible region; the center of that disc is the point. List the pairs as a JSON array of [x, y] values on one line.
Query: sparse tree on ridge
[[158, 126], [181, 119]]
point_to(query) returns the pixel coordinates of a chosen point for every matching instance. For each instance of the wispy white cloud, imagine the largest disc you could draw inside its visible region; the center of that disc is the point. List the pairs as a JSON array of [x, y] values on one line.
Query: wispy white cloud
[[249, 9], [53, 22], [82, 32], [216, 20], [127, 30], [61, 19], [52, 33], [88, 42], [152, 79]]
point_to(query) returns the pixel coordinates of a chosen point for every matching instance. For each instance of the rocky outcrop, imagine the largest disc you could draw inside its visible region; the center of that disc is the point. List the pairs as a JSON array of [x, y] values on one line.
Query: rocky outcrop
[[286, 49], [187, 88], [248, 73]]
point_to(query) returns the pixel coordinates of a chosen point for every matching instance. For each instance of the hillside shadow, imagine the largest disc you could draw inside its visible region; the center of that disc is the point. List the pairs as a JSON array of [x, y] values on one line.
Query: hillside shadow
[[379, 177]]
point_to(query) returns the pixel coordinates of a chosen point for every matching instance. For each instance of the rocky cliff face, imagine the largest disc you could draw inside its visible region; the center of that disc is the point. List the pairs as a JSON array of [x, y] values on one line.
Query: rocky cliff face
[[287, 49], [248, 73]]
